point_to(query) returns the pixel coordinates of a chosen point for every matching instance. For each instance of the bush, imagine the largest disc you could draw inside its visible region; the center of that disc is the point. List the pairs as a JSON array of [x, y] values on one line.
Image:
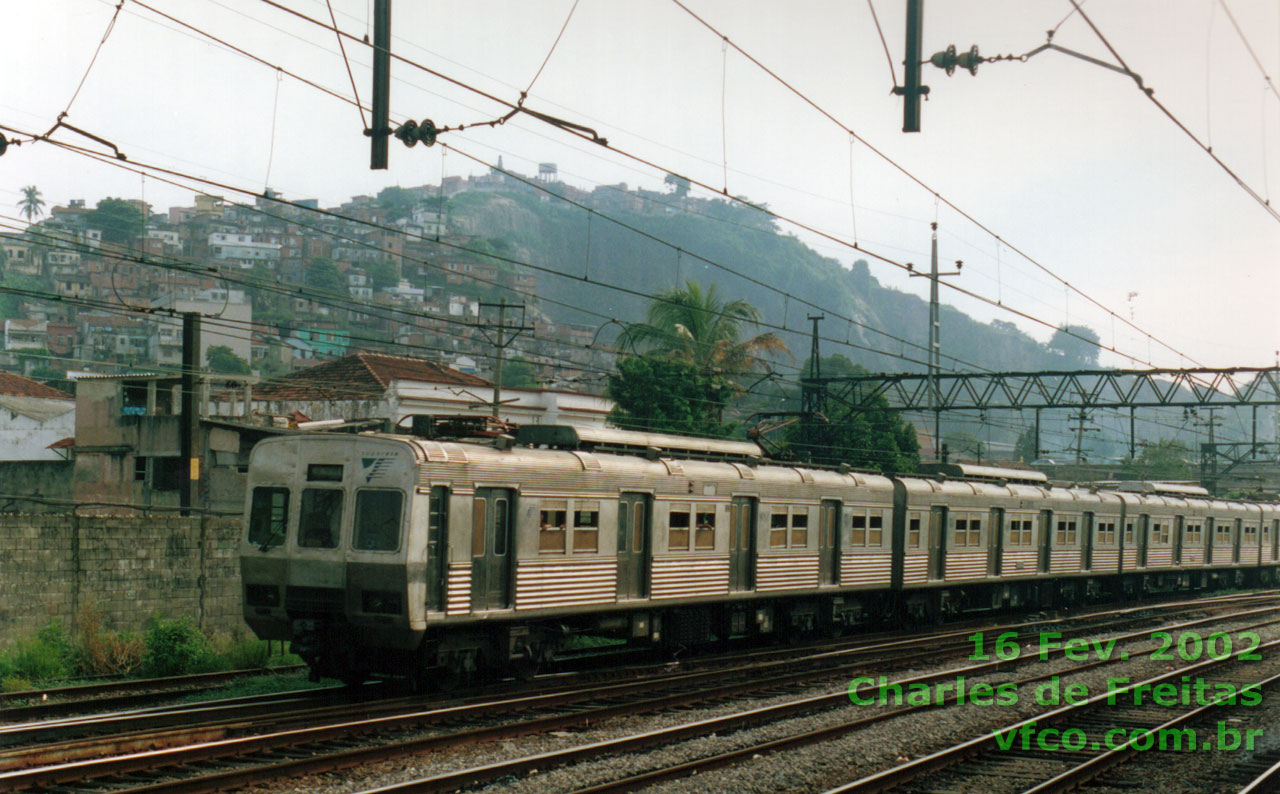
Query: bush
[[244, 655], [176, 647], [43, 656], [100, 652]]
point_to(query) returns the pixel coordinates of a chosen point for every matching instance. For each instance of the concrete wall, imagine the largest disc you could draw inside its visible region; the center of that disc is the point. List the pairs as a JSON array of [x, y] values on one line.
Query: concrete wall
[[26, 437], [128, 569], [49, 480]]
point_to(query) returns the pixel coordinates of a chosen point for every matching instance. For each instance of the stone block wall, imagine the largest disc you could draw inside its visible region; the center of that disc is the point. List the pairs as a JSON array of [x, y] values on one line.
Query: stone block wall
[[125, 569]]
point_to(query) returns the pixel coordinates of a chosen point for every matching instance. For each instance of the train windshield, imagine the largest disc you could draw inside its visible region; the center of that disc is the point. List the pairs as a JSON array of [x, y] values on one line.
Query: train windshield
[[268, 517], [378, 520], [320, 521]]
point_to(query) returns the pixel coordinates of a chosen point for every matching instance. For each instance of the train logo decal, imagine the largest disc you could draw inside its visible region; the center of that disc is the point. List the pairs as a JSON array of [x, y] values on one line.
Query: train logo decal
[[375, 467]]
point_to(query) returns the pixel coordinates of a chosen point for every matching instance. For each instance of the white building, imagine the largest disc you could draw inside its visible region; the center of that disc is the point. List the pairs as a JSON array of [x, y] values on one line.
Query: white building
[[242, 249], [32, 417]]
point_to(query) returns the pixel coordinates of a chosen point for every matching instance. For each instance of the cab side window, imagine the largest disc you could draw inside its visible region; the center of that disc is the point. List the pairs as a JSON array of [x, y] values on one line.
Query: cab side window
[[320, 518]]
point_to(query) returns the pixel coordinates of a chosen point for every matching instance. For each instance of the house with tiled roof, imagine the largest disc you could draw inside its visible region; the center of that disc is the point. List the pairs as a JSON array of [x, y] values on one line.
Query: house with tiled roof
[[33, 416], [381, 386]]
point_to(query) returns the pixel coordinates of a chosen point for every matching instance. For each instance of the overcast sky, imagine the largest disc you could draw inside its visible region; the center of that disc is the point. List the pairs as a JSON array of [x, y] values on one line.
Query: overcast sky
[[1065, 161]]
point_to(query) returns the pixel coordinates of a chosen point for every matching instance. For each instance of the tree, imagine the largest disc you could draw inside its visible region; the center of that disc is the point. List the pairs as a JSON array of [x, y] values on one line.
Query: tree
[[1078, 344], [397, 201], [1024, 449], [119, 221], [1166, 459], [701, 329], [382, 274], [323, 275], [659, 394], [679, 185], [31, 205], [877, 438], [222, 359], [519, 373]]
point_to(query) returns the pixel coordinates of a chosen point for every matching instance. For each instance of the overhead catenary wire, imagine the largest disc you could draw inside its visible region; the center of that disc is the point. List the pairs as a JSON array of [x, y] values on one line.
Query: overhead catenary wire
[[800, 225], [901, 169]]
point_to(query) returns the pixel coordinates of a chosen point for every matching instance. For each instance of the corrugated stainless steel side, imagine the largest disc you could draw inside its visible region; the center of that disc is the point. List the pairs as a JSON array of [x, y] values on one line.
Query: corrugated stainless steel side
[[1160, 557], [1018, 563], [565, 582], [915, 568], [1129, 558], [1064, 560], [688, 575], [965, 565], [860, 569], [1248, 555], [786, 571], [1193, 556], [1106, 560], [458, 589], [1266, 554]]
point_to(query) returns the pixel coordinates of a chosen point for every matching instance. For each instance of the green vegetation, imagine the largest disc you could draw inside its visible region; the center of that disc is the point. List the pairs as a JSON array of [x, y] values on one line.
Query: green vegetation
[[1166, 459], [689, 363], [118, 220], [519, 373], [878, 438], [165, 647], [222, 358], [31, 205]]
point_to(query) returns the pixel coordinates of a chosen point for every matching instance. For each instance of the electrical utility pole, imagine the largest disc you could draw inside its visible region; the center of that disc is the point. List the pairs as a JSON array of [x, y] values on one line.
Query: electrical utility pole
[[935, 331], [1082, 417], [189, 427], [380, 123], [502, 337], [911, 91]]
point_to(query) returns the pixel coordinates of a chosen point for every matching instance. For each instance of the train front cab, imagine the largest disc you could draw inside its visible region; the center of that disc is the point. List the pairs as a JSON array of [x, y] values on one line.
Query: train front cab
[[324, 555]]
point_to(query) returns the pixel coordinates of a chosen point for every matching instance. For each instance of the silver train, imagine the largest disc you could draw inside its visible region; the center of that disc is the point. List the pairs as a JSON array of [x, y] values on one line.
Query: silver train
[[439, 560]]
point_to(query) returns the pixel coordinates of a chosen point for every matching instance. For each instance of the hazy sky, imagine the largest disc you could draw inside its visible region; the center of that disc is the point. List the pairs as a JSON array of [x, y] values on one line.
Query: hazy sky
[[1065, 161]]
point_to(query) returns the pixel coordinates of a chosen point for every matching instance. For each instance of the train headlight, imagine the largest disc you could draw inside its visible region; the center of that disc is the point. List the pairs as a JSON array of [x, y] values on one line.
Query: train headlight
[[381, 602], [262, 595]]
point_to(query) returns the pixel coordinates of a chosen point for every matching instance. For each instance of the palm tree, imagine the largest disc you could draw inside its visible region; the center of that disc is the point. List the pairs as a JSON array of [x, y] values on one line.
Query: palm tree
[[31, 204], [698, 327]]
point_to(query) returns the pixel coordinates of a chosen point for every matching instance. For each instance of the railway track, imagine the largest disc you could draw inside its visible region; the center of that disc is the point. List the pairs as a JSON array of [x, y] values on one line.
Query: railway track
[[1112, 727], [277, 750]]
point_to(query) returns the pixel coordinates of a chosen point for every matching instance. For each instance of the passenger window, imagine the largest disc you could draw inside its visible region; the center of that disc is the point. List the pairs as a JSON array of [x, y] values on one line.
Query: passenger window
[[975, 532], [477, 527], [913, 531], [800, 529], [875, 530], [858, 533], [962, 532], [553, 527], [378, 520], [678, 528], [320, 520], [778, 528], [586, 527], [268, 516], [705, 536], [499, 527], [637, 528]]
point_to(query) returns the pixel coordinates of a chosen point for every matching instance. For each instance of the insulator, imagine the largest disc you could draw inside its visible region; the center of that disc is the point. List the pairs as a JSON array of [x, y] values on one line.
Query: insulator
[[408, 133], [970, 60]]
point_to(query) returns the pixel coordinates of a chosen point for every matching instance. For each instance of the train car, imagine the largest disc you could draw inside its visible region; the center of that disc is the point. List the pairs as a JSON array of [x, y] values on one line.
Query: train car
[[439, 559]]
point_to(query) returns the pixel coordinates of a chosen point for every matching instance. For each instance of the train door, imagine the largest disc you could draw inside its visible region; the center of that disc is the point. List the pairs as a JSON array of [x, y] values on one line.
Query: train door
[[1087, 525], [1046, 535], [437, 547], [829, 542], [492, 552], [1144, 538], [1178, 526], [742, 544], [995, 542], [1210, 541], [633, 545], [938, 543]]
